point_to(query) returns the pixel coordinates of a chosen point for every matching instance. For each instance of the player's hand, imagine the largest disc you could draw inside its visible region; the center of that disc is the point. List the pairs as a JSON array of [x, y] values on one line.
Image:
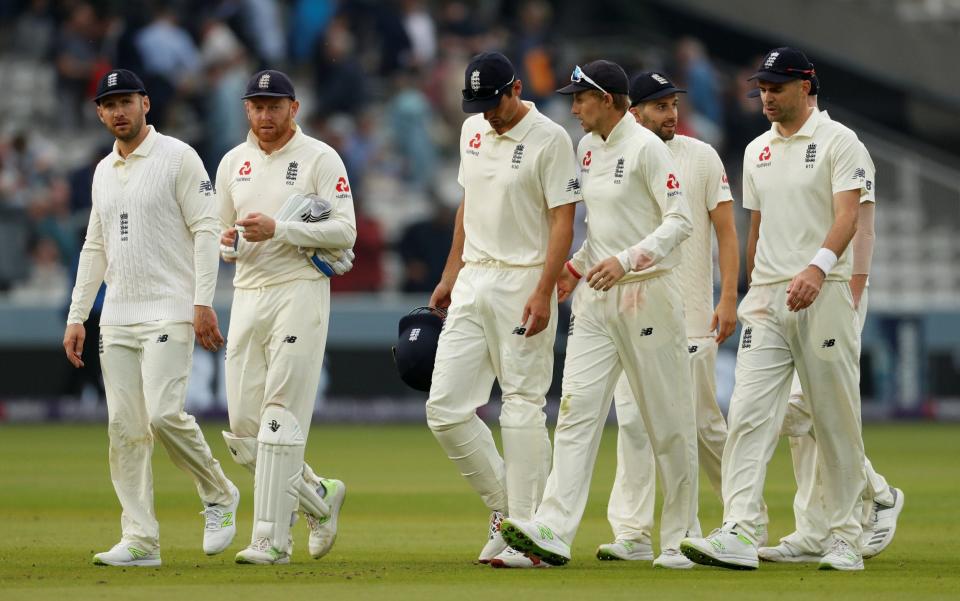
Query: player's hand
[[206, 328], [565, 284], [73, 339], [724, 320], [257, 227], [440, 299], [804, 288], [605, 274], [228, 245], [536, 313], [858, 284]]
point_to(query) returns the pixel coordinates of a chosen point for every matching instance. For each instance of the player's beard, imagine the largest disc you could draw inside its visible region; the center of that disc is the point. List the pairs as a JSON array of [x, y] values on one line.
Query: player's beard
[[135, 126]]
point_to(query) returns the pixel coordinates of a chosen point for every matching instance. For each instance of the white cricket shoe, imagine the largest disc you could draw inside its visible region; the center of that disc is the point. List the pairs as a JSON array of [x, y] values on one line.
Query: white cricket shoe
[[786, 553], [128, 553], [841, 556], [625, 550], [511, 558], [673, 559], [535, 538], [726, 547], [262, 552], [220, 524], [495, 544], [323, 530], [878, 533]]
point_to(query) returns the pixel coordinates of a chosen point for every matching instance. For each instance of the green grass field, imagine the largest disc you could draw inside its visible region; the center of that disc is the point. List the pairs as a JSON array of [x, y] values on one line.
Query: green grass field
[[411, 528]]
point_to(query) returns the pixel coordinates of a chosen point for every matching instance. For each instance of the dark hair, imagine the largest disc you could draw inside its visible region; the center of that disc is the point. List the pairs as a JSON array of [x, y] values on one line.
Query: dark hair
[[621, 102]]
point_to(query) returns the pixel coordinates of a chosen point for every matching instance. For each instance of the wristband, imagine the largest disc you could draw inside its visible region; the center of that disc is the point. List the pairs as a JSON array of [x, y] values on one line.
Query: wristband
[[824, 260], [570, 268]]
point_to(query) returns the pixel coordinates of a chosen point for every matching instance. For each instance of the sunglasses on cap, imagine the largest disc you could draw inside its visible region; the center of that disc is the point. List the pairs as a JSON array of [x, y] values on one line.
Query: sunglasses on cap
[[578, 75], [485, 92]]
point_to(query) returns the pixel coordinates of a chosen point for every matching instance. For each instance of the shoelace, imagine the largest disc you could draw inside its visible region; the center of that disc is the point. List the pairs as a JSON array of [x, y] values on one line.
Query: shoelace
[[262, 544], [495, 524], [840, 547], [314, 522], [213, 517]]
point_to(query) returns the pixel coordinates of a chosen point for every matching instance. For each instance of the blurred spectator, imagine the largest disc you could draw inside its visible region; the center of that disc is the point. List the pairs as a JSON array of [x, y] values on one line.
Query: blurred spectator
[[367, 272], [421, 31], [339, 81], [171, 61], [409, 116], [76, 62], [533, 49], [309, 20], [53, 221], [48, 276], [395, 46], [264, 27], [35, 30], [424, 246], [225, 69], [703, 90]]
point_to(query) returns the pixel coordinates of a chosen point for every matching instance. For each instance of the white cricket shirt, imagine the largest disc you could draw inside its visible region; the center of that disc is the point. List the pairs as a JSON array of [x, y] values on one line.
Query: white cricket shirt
[[705, 186], [632, 188], [252, 181], [152, 236], [791, 181], [510, 182]]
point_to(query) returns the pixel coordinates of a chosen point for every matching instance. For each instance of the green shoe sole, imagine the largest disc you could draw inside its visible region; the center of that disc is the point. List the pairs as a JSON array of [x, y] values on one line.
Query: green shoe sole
[[521, 542], [697, 556]]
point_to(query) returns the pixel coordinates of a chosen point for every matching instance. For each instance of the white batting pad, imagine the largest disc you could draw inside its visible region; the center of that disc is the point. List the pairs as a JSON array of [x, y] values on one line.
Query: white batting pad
[[279, 471]]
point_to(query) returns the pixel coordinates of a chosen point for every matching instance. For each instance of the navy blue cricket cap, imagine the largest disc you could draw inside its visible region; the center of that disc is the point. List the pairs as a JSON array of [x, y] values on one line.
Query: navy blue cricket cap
[[416, 349], [486, 78], [651, 85], [600, 75], [784, 64], [269, 83], [119, 81]]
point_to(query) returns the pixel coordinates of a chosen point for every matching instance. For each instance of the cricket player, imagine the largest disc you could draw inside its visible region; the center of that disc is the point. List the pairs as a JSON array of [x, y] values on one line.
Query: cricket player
[[881, 502], [279, 318], [512, 234], [654, 102], [629, 319], [152, 238], [804, 181]]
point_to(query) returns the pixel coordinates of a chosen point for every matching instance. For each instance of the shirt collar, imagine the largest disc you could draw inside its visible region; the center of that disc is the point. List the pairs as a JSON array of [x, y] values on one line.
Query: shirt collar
[[142, 150], [621, 130], [291, 143], [806, 131], [518, 131]]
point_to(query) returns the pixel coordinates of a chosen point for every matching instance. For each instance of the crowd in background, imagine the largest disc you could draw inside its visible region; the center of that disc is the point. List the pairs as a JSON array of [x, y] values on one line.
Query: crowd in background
[[378, 80]]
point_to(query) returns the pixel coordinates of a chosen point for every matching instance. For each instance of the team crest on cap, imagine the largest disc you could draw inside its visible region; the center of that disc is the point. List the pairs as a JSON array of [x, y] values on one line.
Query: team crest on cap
[[112, 80], [475, 80], [659, 79], [264, 82], [771, 59]]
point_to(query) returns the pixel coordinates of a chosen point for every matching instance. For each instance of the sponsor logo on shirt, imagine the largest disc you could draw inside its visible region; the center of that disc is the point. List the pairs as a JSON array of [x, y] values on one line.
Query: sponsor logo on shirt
[[692, 348], [811, 156], [292, 170], [859, 173], [764, 157], [163, 338], [588, 158], [573, 185], [673, 185], [342, 187], [473, 145], [206, 188], [646, 332], [829, 343], [618, 171], [517, 156], [245, 172]]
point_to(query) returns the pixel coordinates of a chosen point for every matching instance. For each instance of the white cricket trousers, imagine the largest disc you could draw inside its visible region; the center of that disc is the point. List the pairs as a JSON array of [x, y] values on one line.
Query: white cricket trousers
[[812, 534], [482, 340], [630, 509], [636, 329], [145, 370], [822, 343], [275, 348]]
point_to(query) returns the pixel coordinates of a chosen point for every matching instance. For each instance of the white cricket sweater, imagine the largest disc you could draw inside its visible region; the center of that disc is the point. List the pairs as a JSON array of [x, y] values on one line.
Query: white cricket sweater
[[152, 237]]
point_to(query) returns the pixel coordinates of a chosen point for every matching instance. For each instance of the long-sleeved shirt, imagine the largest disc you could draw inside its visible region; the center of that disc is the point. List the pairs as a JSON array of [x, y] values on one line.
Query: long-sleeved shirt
[[632, 189], [252, 181], [152, 236]]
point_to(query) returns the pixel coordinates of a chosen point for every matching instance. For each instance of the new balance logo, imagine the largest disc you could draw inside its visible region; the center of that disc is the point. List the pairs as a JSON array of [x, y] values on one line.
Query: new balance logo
[[573, 185], [274, 425], [545, 532], [692, 348], [206, 188], [520, 330], [290, 339], [828, 343], [747, 339], [162, 338], [646, 332], [859, 173]]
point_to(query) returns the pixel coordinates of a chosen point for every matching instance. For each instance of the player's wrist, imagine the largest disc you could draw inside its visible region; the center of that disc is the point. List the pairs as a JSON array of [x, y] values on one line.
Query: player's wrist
[[573, 270], [824, 261]]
